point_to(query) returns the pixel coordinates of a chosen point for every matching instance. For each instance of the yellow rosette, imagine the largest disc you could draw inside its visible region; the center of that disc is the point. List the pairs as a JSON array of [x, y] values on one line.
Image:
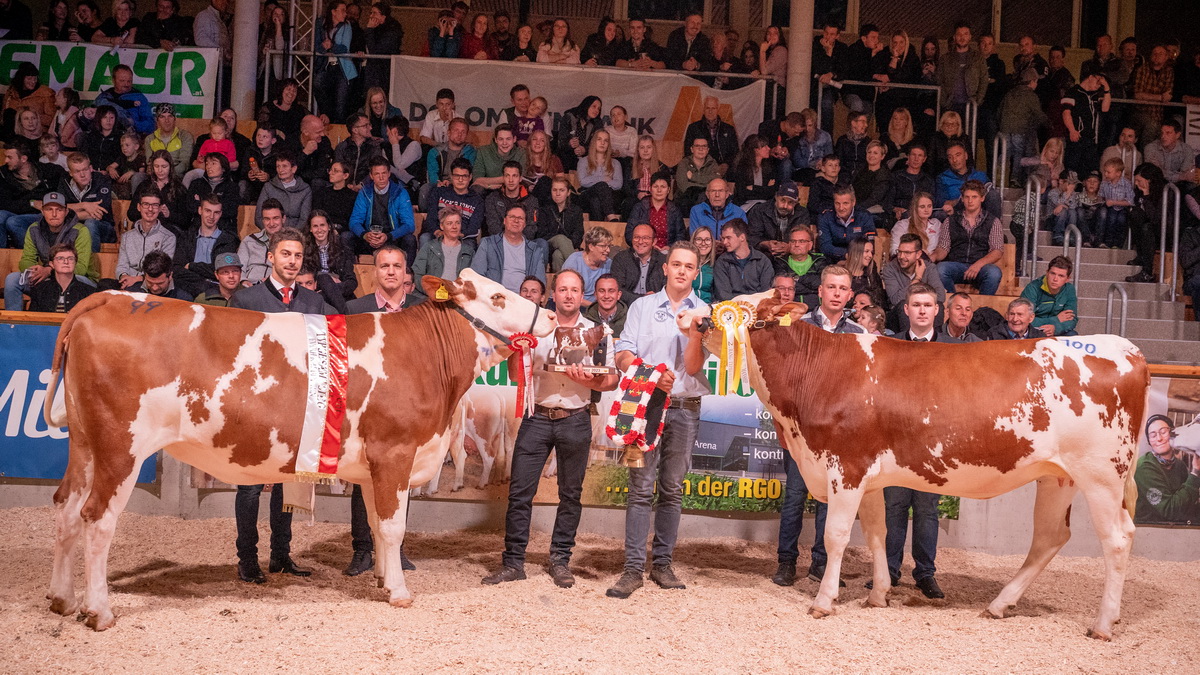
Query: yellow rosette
[[732, 319]]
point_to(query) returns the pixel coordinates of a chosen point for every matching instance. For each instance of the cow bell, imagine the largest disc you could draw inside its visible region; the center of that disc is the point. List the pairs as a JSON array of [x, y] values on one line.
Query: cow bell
[[633, 457]]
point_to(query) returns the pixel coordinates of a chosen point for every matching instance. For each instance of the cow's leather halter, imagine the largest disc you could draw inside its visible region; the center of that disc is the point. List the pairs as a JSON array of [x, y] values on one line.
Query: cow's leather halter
[[506, 340]]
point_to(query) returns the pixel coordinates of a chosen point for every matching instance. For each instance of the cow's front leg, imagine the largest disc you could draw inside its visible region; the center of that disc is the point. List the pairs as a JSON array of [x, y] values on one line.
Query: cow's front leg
[[871, 514], [390, 537], [843, 505]]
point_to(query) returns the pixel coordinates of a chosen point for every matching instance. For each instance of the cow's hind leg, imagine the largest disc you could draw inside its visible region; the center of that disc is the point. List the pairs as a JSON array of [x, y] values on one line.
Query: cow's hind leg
[[1051, 530], [391, 538], [68, 524], [1114, 528], [100, 513], [843, 505], [871, 515]]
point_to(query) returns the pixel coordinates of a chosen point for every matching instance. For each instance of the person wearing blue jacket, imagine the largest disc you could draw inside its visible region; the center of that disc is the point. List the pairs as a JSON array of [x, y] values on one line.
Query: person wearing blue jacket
[[382, 213], [508, 257], [844, 222]]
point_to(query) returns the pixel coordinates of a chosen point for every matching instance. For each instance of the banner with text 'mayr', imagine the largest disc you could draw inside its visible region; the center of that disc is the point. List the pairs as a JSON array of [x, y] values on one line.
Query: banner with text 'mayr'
[[660, 104], [185, 77]]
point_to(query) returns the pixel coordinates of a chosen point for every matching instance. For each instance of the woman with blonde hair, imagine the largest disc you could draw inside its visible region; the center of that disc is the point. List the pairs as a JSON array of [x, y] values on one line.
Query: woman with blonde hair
[[541, 166], [811, 147], [903, 67], [703, 240], [120, 29], [645, 165], [600, 179], [920, 221], [950, 130], [1049, 164], [899, 136]]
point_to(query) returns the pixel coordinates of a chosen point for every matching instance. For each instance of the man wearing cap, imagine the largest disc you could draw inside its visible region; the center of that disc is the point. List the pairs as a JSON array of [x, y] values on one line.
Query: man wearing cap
[[769, 222], [167, 136], [196, 249], [1020, 117], [229, 280], [58, 225]]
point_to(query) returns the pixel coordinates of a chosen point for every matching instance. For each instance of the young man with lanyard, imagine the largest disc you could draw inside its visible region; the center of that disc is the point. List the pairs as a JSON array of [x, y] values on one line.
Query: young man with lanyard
[[664, 328], [559, 421], [830, 316], [279, 292]]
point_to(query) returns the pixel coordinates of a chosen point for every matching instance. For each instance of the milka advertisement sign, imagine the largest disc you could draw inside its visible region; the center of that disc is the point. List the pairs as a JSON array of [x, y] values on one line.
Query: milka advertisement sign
[[185, 77]]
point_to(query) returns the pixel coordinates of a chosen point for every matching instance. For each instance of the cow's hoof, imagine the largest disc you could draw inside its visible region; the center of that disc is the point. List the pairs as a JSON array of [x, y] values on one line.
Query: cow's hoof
[[989, 614], [1099, 635], [378, 582], [404, 602], [64, 606], [818, 613], [872, 601], [100, 621]]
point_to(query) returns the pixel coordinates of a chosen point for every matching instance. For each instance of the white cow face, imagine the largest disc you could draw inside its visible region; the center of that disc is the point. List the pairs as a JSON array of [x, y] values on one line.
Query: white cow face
[[1187, 437], [497, 307]]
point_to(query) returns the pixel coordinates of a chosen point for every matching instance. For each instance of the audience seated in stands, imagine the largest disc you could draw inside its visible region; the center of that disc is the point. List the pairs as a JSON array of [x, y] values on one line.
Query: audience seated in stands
[[608, 308], [167, 136], [1017, 322], [508, 257], [601, 180], [336, 197], [1172, 154], [196, 249], [326, 258], [490, 159], [873, 184], [722, 137], [970, 244], [511, 192], [449, 253], [694, 173], [908, 269], [436, 127], [706, 247], [62, 290], [921, 223], [951, 181], [827, 181], [560, 223], [382, 214], [842, 223], [457, 192], [715, 210], [851, 148], [254, 247], [1053, 299], [89, 195], [23, 182], [768, 222], [958, 319], [57, 224], [293, 193], [359, 150], [156, 278], [592, 261], [639, 268], [147, 235]]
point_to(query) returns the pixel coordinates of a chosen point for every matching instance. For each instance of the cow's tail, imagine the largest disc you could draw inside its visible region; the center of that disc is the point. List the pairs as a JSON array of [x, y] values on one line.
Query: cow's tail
[[56, 415]]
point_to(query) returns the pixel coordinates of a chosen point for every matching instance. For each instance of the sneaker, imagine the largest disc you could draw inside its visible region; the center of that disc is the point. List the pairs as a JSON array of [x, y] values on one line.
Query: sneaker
[[504, 574], [785, 574], [816, 573], [929, 586], [362, 561], [561, 574], [629, 582], [664, 576]]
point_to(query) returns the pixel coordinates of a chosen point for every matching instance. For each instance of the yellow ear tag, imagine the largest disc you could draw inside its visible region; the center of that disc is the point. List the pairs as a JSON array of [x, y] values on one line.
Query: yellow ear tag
[[441, 293], [786, 319]]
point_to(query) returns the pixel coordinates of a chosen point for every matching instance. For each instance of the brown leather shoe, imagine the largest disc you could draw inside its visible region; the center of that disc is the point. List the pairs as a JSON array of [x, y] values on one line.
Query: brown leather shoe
[[629, 582], [504, 574], [664, 576], [561, 574]]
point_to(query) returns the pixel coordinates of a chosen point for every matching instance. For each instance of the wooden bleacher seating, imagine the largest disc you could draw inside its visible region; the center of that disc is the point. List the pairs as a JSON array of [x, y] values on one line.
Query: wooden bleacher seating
[[615, 228], [245, 221], [10, 259], [197, 127]]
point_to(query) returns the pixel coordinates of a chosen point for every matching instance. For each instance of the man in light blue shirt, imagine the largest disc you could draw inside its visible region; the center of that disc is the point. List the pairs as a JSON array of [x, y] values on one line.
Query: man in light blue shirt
[[657, 331]]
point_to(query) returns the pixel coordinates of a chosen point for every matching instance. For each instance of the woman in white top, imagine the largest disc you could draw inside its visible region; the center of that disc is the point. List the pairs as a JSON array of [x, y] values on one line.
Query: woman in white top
[[559, 47], [921, 223]]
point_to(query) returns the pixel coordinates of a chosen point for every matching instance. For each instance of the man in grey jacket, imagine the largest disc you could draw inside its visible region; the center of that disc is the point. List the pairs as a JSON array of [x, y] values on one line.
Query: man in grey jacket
[[289, 189], [906, 269], [253, 249], [507, 258], [741, 270], [146, 235], [446, 255]]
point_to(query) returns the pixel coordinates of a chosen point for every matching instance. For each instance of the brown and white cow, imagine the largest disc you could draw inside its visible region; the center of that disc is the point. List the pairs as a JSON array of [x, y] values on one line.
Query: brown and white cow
[[859, 413], [224, 391]]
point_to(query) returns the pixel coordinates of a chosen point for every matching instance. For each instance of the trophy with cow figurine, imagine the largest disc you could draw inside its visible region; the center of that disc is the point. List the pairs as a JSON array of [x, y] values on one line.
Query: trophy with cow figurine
[[575, 345]]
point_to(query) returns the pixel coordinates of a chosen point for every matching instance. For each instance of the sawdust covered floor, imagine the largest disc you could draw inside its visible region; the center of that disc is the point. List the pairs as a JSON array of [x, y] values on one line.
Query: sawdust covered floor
[[181, 610]]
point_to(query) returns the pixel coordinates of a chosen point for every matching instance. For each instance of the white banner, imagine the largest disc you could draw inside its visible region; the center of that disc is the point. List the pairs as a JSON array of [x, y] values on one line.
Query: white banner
[[660, 104], [1191, 130], [185, 77]]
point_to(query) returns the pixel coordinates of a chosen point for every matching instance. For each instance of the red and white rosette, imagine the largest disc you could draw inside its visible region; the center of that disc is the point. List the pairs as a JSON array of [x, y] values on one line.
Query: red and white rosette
[[520, 368]]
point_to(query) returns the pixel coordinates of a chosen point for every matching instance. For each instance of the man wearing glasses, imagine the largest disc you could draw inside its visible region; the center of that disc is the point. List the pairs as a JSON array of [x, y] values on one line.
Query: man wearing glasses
[[57, 225], [148, 234], [62, 291], [802, 264], [456, 193], [358, 149]]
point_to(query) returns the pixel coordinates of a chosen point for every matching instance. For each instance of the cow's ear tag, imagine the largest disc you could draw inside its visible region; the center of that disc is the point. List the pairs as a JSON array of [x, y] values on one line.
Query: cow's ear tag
[[441, 294], [786, 319]]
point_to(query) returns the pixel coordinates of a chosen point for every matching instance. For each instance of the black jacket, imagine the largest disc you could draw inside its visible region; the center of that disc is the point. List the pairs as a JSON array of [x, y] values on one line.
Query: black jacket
[[726, 147], [226, 191], [905, 186], [677, 51], [262, 297], [808, 283], [764, 224], [386, 38], [731, 280], [640, 215], [44, 296], [627, 270], [569, 222], [15, 197]]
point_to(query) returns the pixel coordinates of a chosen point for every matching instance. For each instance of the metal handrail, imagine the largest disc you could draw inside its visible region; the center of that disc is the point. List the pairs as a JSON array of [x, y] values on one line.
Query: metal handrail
[[1073, 230], [1162, 238], [1000, 160], [937, 110], [1108, 315], [1033, 207], [972, 123]]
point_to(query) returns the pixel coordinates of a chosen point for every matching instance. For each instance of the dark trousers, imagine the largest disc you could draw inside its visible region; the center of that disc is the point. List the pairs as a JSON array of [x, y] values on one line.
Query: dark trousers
[[360, 525], [1144, 233], [355, 243], [245, 511], [570, 438], [601, 200], [1082, 157], [791, 517], [924, 525]]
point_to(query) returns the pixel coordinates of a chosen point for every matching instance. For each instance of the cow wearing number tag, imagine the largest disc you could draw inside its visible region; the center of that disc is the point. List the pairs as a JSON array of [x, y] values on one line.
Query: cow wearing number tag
[[224, 390], [859, 413]]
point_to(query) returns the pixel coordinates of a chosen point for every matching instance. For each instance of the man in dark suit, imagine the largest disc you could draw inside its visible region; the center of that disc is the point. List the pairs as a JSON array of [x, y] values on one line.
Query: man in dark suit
[[279, 292], [921, 306], [639, 269], [389, 296]]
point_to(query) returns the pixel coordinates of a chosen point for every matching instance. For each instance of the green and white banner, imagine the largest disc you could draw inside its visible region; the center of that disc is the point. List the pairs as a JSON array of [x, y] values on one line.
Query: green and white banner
[[185, 77]]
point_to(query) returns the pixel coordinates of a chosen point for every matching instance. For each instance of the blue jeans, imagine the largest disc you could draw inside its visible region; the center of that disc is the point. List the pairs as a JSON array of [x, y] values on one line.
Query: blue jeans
[[102, 231], [791, 517], [13, 227], [988, 279], [1191, 288], [1110, 226], [245, 511], [1067, 216], [1019, 146], [924, 526], [570, 438], [669, 464]]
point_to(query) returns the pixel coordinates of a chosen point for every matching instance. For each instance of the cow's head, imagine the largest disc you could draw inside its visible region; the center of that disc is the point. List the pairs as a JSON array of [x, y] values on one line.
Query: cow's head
[[491, 304], [1187, 437]]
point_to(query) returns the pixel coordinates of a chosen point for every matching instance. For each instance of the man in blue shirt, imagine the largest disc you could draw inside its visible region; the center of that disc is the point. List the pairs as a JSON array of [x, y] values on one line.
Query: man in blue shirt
[[715, 210], [664, 328], [952, 180], [843, 223]]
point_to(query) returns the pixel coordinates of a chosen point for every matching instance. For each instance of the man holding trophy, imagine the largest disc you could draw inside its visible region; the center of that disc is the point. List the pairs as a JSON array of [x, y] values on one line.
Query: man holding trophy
[[567, 367]]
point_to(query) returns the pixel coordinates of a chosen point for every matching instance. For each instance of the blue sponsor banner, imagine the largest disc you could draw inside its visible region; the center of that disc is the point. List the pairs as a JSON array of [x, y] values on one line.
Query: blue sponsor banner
[[31, 448]]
